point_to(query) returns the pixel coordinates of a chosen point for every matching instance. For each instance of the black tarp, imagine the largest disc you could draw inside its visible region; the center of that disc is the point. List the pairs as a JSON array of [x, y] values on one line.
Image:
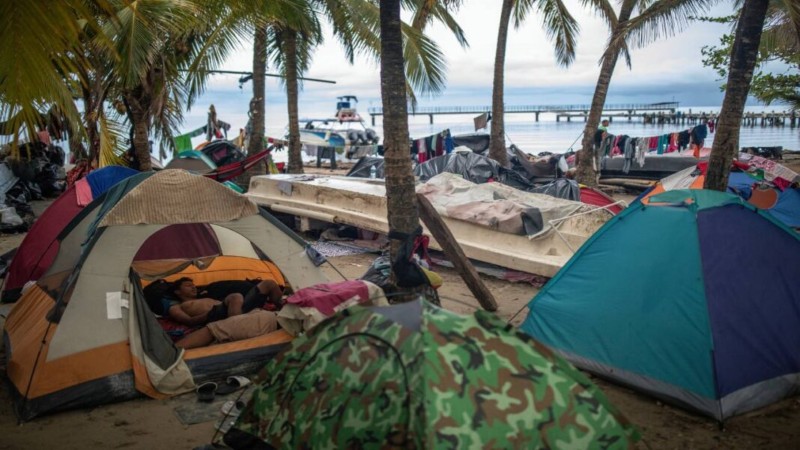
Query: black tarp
[[477, 142], [362, 168], [560, 188], [473, 167]]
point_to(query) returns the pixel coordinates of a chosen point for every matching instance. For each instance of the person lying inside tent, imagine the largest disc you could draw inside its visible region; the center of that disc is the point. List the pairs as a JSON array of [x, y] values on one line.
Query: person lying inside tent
[[257, 322], [219, 301]]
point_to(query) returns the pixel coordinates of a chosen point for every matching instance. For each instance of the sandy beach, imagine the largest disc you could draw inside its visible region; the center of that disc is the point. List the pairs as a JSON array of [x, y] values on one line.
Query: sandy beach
[[146, 423]]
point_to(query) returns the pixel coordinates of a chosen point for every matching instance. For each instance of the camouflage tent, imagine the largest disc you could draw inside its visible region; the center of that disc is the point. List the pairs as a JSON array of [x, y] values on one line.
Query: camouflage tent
[[417, 376]]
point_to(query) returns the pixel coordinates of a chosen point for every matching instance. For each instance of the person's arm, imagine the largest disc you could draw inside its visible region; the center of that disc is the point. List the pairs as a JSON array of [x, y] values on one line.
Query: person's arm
[[179, 315]]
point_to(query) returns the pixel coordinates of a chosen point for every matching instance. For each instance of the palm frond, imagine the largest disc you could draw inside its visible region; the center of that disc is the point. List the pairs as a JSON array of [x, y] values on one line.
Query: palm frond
[[210, 50], [785, 15], [442, 14], [427, 10], [41, 48], [112, 138], [559, 25], [426, 67], [305, 43], [604, 9], [139, 30], [663, 18], [356, 25]]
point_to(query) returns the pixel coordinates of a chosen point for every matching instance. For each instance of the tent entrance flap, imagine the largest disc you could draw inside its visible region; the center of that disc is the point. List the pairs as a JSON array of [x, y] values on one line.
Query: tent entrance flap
[[158, 366]]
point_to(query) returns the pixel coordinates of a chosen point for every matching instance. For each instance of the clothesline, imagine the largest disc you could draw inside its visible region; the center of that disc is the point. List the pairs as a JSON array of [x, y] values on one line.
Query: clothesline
[[636, 148]]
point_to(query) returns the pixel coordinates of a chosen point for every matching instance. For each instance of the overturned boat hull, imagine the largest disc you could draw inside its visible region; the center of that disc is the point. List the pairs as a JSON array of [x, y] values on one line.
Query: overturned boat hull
[[362, 203]]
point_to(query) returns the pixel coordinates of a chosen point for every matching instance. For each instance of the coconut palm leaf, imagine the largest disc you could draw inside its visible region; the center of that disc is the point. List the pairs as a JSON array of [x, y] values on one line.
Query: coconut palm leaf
[[605, 10], [212, 43], [307, 40], [41, 48], [427, 10], [139, 30], [661, 19], [112, 138], [559, 25], [426, 67]]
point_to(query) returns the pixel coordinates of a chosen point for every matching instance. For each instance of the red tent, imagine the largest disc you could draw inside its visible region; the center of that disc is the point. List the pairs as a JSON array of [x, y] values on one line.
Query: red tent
[[592, 196]]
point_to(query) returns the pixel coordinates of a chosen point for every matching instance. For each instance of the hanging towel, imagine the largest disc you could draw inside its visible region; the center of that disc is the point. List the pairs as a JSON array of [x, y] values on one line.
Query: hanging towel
[[184, 141], [482, 121]]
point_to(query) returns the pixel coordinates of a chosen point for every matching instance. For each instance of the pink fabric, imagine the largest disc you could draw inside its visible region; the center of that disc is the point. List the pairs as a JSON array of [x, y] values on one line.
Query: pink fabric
[[83, 192], [326, 297]]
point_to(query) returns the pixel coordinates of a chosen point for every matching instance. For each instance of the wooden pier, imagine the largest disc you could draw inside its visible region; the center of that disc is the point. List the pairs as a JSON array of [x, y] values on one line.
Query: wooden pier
[[665, 113], [560, 110], [774, 119]]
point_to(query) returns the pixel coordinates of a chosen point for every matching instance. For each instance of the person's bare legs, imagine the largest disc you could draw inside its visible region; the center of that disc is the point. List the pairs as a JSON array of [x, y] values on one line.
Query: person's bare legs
[[235, 302], [199, 338]]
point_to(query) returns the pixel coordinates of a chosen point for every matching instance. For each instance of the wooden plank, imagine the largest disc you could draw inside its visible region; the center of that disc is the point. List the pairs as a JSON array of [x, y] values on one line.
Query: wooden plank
[[454, 253]]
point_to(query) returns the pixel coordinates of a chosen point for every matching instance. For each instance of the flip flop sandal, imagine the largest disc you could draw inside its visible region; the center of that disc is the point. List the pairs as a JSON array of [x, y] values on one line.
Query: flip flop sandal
[[233, 407], [206, 391], [232, 384]]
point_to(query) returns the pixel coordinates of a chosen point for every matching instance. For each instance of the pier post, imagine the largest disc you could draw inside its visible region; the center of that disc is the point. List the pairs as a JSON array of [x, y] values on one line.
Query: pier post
[[558, 118], [373, 120], [630, 113], [537, 116], [430, 116], [569, 118]]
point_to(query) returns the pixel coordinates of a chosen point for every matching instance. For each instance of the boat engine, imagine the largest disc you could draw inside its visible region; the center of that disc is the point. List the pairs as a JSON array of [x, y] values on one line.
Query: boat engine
[[352, 136], [372, 136], [362, 138]]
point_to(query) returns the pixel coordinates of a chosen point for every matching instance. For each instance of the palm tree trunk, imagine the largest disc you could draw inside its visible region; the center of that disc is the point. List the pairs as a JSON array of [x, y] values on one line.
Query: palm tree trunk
[[257, 119], [90, 121], [290, 50], [402, 204], [743, 61], [586, 173], [138, 107], [259, 88], [497, 149]]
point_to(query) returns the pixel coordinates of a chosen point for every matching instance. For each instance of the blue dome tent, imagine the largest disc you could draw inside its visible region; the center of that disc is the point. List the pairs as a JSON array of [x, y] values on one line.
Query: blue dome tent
[[693, 298]]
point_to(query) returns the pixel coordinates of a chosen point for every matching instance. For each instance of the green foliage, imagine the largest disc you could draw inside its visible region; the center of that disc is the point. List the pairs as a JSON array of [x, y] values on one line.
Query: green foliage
[[779, 44]]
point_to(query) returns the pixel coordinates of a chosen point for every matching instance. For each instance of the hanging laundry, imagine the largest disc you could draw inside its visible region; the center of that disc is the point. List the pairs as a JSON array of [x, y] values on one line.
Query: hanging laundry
[[432, 146], [482, 121], [184, 141]]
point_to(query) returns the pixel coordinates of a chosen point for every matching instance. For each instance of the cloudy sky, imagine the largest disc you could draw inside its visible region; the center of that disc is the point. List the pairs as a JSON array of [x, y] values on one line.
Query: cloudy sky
[[667, 70]]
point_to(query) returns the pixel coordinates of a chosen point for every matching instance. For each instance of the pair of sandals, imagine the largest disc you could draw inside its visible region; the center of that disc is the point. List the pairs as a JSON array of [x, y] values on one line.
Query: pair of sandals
[[208, 390]]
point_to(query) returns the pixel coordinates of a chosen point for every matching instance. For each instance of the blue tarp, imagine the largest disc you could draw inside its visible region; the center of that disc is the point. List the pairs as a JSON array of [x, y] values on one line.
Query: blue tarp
[[101, 180]]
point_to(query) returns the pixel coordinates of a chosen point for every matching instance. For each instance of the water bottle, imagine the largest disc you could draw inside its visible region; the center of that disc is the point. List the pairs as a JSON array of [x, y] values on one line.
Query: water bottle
[[373, 172]]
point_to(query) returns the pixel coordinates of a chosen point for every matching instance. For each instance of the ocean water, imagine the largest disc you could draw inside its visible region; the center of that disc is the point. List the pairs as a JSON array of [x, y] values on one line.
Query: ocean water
[[558, 137]]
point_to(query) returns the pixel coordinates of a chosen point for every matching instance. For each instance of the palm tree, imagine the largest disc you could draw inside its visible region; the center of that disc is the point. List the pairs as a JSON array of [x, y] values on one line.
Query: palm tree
[[670, 16], [744, 54], [152, 42], [290, 51], [400, 192], [38, 63], [558, 23]]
